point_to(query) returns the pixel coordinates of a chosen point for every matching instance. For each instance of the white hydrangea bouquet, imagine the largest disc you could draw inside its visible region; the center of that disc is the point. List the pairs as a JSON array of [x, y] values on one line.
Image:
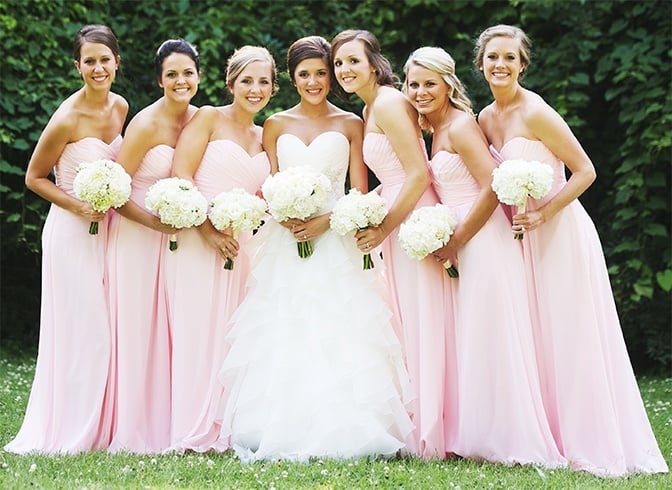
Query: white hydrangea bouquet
[[428, 229], [356, 211], [514, 180], [296, 193], [104, 184], [239, 210], [178, 204]]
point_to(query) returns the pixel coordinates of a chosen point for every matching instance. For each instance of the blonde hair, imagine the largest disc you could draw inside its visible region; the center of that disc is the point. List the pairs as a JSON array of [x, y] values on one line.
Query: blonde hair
[[503, 30], [245, 55], [441, 63]]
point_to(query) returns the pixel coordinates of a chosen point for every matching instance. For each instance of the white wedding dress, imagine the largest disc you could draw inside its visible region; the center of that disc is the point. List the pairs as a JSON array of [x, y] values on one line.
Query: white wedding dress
[[315, 368]]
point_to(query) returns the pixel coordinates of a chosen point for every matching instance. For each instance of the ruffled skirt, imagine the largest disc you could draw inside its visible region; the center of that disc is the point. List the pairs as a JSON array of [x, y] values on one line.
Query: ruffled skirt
[[314, 369]]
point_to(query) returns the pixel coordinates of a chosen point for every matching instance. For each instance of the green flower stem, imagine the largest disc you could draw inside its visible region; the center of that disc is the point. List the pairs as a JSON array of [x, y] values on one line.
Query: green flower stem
[[368, 262], [521, 210], [305, 249], [93, 228]]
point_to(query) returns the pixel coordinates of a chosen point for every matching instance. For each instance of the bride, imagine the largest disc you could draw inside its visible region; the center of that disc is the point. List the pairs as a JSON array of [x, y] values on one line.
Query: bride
[[315, 368]]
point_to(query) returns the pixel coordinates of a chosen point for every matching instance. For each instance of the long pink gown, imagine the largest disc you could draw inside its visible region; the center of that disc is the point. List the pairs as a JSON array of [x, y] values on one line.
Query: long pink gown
[[70, 406], [418, 290], [590, 392], [202, 296], [139, 319], [500, 410]]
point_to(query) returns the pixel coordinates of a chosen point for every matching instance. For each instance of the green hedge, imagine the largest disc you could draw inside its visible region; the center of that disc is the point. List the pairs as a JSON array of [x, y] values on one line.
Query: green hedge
[[604, 65]]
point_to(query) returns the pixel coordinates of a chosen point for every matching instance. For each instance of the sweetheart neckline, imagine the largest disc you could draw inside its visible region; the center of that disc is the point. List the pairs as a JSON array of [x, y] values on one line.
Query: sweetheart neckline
[[252, 157], [515, 138], [97, 139], [315, 138]]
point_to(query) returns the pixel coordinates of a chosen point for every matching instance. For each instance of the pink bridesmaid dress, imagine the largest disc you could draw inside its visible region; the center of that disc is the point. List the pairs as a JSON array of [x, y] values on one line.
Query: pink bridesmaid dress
[[500, 412], [202, 296], [139, 319], [418, 290], [70, 405], [590, 392]]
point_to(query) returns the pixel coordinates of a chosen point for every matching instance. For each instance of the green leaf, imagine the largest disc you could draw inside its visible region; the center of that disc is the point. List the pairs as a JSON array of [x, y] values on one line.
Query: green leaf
[[655, 229], [664, 279], [630, 246], [645, 290], [579, 78], [7, 168]]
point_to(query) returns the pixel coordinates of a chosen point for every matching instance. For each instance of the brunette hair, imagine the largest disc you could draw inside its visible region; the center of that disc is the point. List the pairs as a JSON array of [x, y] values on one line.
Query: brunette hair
[[307, 48], [95, 33], [382, 67], [171, 46]]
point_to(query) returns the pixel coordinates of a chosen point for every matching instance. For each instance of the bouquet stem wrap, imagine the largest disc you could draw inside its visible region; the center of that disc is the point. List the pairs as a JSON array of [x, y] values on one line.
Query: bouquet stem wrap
[[521, 210]]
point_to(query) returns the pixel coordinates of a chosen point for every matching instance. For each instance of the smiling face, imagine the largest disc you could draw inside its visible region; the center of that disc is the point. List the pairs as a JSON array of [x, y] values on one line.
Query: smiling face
[[502, 62], [312, 80], [352, 67], [253, 87], [426, 90], [179, 77], [97, 65]]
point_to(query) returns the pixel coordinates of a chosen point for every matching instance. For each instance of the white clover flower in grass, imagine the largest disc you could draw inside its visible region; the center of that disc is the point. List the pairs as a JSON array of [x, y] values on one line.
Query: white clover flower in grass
[[428, 229], [296, 193], [514, 180], [178, 203], [356, 211], [104, 184], [239, 210]]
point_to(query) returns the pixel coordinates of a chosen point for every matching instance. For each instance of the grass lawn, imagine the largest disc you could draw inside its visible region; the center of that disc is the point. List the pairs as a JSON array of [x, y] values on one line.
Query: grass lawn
[[98, 470]]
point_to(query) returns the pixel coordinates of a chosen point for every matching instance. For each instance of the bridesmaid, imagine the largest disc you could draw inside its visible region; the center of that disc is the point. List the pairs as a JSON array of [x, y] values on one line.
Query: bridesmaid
[[590, 393], [394, 149], [219, 150], [137, 243], [498, 383], [69, 409]]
